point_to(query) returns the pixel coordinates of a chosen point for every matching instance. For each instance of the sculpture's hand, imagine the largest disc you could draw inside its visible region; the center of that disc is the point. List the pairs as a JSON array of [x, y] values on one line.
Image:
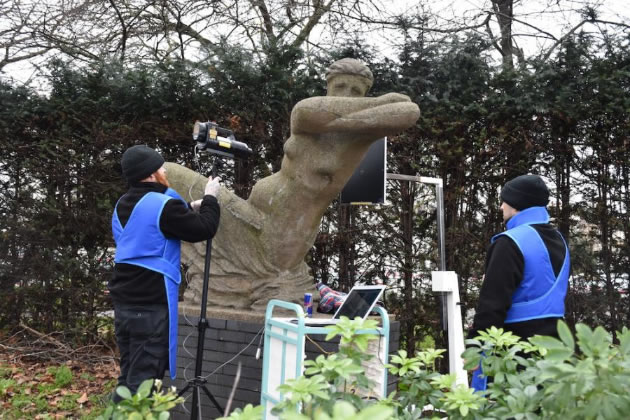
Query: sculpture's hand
[[384, 119], [321, 114], [390, 98]]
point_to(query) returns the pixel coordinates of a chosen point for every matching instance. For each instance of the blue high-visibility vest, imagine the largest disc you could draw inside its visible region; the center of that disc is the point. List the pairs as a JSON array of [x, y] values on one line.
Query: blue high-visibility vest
[[142, 243], [541, 293]]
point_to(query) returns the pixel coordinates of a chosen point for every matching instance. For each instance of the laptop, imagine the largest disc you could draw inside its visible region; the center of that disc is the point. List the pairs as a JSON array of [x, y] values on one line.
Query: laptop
[[358, 303]]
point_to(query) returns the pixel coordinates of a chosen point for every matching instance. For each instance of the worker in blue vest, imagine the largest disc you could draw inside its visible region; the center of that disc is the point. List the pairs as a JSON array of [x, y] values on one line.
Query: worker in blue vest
[[148, 223], [527, 268]]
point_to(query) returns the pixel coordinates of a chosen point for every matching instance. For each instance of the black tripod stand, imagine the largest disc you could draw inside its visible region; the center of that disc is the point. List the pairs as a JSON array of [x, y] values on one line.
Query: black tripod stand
[[221, 142], [198, 383]]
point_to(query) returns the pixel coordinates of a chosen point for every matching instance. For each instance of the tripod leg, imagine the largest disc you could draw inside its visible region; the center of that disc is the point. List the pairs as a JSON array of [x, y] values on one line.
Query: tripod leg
[[214, 401], [183, 391], [195, 408], [198, 403]]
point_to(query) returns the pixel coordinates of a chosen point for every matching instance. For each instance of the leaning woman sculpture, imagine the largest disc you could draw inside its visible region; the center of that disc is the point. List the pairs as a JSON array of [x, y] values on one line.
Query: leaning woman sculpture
[[258, 252]]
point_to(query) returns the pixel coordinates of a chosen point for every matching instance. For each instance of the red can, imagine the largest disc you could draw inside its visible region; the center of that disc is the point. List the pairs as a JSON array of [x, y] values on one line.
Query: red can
[[308, 304]]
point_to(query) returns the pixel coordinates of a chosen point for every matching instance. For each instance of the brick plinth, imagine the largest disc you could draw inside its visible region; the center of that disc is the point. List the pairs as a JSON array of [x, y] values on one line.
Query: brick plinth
[[231, 333]]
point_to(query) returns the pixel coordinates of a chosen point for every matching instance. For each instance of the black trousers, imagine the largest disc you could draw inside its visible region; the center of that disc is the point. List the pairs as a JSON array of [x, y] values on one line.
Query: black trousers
[[142, 338]]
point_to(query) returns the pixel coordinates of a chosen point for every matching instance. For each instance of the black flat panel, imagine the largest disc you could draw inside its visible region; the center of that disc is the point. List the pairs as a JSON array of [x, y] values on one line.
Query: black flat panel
[[367, 183]]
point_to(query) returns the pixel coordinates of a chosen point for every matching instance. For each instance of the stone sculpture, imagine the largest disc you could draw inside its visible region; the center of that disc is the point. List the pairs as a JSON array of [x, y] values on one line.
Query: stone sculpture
[[258, 252]]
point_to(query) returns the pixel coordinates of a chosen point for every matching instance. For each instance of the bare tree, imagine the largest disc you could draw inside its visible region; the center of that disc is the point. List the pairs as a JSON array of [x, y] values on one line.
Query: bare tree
[[157, 30], [139, 30], [516, 28], [18, 27]]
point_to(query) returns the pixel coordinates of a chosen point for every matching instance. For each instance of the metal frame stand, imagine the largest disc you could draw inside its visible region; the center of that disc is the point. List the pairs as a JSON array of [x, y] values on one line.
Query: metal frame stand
[[445, 283], [284, 354]]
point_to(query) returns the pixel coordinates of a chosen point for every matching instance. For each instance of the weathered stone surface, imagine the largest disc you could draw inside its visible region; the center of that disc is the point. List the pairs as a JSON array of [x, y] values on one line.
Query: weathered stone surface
[[258, 252]]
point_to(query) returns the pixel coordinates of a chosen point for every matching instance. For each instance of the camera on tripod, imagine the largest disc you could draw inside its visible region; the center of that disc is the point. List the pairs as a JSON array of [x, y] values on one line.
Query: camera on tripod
[[220, 141]]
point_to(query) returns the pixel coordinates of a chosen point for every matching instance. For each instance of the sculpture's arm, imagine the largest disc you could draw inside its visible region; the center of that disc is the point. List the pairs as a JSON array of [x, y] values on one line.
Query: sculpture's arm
[[190, 184], [338, 114], [380, 121]]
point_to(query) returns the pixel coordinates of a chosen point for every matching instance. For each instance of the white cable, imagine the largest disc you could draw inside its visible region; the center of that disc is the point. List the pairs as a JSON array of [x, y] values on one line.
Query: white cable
[[220, 366], [259, 347], [236, 355], [198, 164], [189, 322]]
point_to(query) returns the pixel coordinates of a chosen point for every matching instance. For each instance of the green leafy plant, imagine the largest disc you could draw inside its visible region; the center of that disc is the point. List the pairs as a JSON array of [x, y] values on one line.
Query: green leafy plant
[[303, 392], [333, 367], [343, 410], [461, 401], [350, 332], [149, 402], [419, 384], [585, 378], [334, 377], [249, 412], [500, 353], [574, 377]]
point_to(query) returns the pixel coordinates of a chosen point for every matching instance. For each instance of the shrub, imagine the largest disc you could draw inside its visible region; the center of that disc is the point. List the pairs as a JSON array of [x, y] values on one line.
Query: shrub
[[585, 377], [248, 413], [562, 379], [146, 403]]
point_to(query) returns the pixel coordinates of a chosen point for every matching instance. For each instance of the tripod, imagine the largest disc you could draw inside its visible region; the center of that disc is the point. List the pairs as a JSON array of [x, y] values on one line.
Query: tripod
[[222, 143], [198, 383]]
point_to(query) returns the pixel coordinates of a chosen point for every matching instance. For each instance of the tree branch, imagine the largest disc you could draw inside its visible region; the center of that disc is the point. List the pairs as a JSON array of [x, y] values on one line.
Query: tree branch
[[564, 37], [123, 40], [319, 11], [491, 35], [266, 17], [395, 23], [522, 22]]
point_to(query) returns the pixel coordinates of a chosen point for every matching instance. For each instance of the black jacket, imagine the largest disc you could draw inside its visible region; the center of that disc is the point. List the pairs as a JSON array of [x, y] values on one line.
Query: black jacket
[[132, 284], [504, 272]]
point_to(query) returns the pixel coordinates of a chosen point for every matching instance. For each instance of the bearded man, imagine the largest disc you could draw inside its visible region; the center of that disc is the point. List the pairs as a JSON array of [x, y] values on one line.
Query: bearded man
[[149, 222]]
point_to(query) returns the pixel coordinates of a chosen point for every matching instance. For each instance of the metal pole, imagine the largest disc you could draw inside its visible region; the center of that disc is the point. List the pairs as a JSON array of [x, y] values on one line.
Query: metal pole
[[439, 195], [199, 382]]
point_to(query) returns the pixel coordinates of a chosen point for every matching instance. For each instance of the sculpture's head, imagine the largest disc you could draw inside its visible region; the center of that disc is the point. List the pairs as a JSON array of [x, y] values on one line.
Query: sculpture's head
[[348, 77]]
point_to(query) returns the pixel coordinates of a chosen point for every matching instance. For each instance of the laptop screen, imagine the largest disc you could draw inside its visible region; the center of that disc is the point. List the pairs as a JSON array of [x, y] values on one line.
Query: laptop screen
[[358, 303]]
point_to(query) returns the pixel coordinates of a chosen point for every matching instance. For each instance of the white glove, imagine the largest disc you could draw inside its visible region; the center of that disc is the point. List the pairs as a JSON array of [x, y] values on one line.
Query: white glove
[[195, 205], [212, 187]]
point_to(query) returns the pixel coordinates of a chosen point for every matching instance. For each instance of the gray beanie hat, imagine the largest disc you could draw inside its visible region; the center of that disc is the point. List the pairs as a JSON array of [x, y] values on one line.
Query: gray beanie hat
[[139, 162]]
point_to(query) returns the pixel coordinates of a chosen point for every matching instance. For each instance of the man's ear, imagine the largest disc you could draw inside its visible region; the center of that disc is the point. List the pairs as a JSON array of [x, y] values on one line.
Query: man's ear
[[150, 178]]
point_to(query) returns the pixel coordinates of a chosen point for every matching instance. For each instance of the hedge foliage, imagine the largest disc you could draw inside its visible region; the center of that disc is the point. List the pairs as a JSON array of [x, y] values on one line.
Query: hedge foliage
[[566, 118]]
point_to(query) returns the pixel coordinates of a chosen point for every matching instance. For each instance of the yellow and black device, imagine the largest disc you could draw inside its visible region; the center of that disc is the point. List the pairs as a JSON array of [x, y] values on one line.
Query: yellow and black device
[[220, 141]]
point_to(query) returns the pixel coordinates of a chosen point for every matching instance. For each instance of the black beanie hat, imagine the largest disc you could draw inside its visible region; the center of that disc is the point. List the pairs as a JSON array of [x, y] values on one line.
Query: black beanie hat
[[525, 191], [139, 162]]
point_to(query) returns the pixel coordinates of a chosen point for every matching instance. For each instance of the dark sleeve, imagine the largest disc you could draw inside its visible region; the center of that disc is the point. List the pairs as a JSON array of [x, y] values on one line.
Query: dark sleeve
[[180, 222], [504, 272]]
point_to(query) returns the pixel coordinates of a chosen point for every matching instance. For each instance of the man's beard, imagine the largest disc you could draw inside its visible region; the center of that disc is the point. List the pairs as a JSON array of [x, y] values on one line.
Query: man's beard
[[161, 179]]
